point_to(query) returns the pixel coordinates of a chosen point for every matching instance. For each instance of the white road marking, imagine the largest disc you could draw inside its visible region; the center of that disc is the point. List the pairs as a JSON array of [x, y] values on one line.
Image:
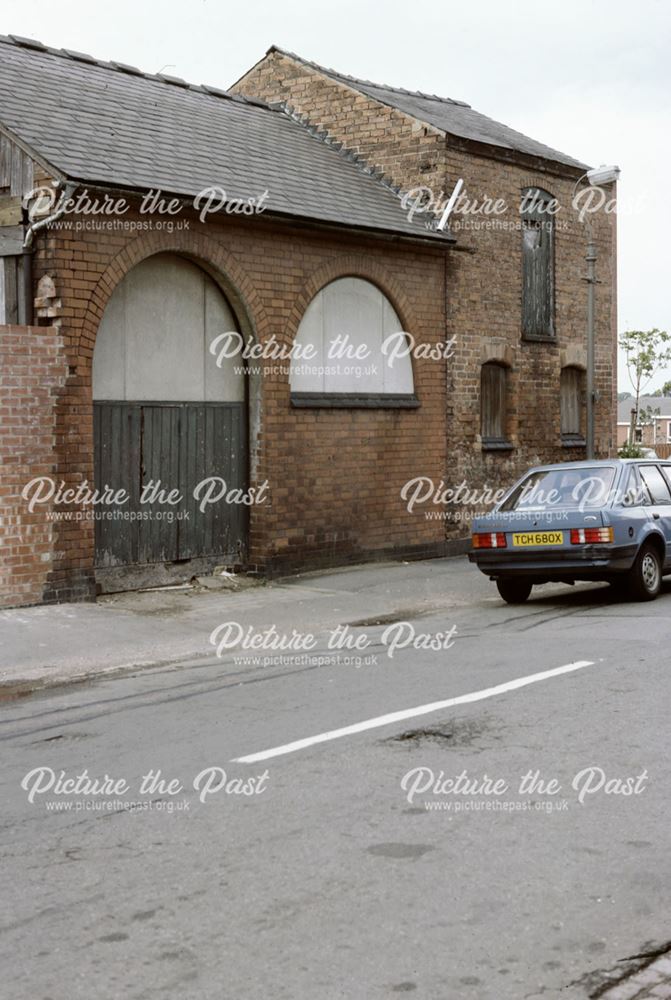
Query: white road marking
[[410, 713]]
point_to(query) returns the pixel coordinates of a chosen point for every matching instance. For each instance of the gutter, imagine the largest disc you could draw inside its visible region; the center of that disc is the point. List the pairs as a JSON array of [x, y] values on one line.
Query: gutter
[[447, 241]]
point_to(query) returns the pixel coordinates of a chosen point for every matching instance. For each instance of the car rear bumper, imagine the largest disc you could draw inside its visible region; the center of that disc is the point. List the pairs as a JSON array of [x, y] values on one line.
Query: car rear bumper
[[587, 562]]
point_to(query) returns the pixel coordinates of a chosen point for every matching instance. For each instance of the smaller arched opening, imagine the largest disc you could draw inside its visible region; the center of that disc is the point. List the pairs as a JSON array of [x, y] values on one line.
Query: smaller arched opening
[[350, 349]]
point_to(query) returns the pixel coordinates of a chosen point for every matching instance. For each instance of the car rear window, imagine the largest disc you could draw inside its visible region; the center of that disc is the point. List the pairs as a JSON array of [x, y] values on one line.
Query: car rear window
[[555, 488], [656, 483]]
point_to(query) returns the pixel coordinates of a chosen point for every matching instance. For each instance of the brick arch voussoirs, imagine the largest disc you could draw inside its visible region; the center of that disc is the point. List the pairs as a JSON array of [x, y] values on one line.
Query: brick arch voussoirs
[[350, 266], [197, 246], [74, 462]]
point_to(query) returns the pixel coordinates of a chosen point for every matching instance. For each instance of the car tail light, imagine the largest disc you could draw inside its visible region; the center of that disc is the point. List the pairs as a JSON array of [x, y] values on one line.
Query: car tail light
[[591, 536], [490, 540]]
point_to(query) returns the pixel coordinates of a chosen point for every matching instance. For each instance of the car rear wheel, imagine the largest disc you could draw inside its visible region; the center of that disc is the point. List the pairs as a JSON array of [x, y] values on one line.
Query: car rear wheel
[[645, 578], [514, 591]]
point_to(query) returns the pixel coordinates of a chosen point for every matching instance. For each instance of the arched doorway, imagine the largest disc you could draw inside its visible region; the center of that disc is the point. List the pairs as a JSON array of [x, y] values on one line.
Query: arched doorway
[[168, 416]]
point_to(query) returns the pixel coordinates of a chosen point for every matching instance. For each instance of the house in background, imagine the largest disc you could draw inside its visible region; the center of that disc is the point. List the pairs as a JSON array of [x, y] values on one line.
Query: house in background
[[653, 427], [108, 323]]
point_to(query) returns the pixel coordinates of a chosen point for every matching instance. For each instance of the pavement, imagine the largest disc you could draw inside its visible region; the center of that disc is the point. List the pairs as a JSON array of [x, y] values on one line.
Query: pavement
[[461, 801], [64, 643]]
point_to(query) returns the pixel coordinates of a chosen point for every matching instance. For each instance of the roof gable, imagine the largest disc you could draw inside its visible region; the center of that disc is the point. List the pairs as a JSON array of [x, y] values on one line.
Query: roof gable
[[456, 118]]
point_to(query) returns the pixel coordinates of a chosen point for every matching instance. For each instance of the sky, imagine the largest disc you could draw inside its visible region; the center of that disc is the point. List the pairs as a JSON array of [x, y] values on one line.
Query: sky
[[589, 77]]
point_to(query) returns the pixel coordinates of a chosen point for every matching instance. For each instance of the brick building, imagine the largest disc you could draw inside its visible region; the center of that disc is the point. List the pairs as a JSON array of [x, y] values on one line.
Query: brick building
[[501, 308], [118, 319]]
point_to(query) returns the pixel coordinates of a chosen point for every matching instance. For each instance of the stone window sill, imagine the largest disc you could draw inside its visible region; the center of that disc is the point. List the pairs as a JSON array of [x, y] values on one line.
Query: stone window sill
[[573, 442], [354, 401], [497, 445], [539, 338]]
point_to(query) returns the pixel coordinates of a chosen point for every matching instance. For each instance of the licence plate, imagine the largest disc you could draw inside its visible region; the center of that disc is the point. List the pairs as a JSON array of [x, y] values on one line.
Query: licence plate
[[538, 538]]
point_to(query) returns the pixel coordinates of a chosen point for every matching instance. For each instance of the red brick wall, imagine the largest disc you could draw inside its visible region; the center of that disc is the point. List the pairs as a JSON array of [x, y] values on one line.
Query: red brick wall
[[335, 475], [484, 275], [33, 373]]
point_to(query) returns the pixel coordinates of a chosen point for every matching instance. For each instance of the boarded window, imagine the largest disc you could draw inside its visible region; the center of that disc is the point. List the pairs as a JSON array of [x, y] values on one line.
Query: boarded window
[[537, 264], [493, 416], [571, 403], [351, 349]]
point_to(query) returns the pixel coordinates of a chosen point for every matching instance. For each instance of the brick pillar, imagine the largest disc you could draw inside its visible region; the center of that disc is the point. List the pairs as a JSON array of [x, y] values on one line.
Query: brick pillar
[[34, 372]]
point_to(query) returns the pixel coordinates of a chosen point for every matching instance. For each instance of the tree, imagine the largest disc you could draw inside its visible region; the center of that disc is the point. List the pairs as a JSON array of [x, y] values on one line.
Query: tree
[[623, 395], [646, 351]]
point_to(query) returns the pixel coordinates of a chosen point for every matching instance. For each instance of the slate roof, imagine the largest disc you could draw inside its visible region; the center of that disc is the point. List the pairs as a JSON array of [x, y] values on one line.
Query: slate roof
[[114, 125], [452, 117], [625, 406]]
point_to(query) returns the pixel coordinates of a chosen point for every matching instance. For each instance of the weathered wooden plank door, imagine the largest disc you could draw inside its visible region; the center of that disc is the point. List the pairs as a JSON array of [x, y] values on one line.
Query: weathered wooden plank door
[[169, 447], [117, 436], [213, 443]]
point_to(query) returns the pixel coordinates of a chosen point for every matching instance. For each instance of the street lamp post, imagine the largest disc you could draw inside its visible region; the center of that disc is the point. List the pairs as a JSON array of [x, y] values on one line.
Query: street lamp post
[[591, 282], [596, 176]]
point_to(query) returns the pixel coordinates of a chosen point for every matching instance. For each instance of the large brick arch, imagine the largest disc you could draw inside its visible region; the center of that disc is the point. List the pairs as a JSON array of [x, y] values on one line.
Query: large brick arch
[[72, 572], [208, 253]]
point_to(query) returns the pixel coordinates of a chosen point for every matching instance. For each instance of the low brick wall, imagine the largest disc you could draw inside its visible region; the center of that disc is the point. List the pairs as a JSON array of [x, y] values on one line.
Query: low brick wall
[[33, 372]]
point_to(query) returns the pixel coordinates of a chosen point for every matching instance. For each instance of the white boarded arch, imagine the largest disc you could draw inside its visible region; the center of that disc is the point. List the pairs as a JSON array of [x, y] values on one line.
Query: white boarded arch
[[168, 417], [358, 310], [154, 338]]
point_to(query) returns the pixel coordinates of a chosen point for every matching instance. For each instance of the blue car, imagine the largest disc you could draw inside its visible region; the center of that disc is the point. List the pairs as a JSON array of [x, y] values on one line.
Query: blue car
[[600, 520]]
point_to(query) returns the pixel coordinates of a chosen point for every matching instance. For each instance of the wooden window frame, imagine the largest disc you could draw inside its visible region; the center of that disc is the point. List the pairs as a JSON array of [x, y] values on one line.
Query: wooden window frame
[[538, 318], [494, 426], [572, 438]]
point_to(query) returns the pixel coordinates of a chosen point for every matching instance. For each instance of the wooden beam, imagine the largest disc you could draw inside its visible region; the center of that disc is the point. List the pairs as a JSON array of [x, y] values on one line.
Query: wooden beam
[[11, 241], [10, 211], [10, 302]]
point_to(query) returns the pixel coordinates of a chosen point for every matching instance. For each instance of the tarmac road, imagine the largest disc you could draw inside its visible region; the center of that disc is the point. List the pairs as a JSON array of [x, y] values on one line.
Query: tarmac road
[[350, 866]]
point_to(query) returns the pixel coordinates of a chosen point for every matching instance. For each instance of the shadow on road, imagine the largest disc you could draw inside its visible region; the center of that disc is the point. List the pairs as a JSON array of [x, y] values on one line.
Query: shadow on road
[[584, 595]]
